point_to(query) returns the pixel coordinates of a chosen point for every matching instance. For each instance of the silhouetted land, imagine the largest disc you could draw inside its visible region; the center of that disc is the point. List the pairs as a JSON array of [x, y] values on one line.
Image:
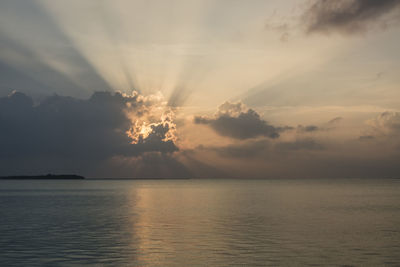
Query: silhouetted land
[[48, 176]]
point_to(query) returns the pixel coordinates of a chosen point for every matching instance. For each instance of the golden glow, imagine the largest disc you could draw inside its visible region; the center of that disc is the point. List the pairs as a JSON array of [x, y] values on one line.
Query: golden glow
[[142, 129]]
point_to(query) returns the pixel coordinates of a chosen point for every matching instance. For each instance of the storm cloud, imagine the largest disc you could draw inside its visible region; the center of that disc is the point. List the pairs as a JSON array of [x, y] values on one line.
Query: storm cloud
[[347, 16], [63, 129], [237, 121]]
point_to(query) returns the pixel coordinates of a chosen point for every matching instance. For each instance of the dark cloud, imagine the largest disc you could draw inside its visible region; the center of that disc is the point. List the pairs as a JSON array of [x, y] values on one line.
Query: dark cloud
[[300, 155], [307, 128], [69, 130], [347, 16], [324, 127], [335, 120], [236, 121]]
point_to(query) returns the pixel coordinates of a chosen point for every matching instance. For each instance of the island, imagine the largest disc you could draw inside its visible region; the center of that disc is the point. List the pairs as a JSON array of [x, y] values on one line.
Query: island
[[47, 177]]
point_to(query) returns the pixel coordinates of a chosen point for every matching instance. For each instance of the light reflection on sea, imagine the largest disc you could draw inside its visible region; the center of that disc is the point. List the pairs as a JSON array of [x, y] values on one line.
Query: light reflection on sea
[[200, 222]]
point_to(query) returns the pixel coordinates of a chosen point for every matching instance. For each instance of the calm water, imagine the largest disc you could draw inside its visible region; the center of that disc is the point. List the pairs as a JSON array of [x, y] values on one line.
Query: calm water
[[200, 222]]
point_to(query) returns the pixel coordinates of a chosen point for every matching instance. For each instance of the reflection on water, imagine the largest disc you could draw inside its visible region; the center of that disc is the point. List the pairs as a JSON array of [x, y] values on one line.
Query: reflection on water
[[200, 222]]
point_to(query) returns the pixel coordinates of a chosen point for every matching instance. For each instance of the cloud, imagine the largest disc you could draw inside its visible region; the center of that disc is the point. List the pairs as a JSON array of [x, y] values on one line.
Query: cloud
[[347, 16], [331, 124], [246, 150], [265, 149], [302, 158], [307, 128], [386, 124], [335, 120], [282, 28], [147, 165], [302, 144], [366, 137], [237, 121], [299, 153], [389, 120], [66, 129]]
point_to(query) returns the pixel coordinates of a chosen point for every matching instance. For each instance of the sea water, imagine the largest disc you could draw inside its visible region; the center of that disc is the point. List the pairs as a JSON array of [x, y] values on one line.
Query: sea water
[[303, 222]]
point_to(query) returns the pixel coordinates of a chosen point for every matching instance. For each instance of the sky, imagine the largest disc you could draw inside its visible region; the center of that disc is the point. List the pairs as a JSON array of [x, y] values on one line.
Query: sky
[[200, 88]]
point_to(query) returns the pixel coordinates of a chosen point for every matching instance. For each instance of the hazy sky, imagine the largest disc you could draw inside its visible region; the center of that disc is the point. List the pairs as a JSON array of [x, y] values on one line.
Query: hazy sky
[[200, 88]]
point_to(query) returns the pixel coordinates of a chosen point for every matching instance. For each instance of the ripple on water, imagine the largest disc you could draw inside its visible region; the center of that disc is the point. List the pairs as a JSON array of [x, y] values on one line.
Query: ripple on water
[[198, 223]]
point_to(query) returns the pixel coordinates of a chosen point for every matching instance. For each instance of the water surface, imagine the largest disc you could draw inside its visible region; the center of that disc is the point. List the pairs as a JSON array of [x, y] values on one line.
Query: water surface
[[200, 222]]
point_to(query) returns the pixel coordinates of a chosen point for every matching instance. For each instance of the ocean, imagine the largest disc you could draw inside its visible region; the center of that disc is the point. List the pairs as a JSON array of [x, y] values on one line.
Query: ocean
[[304, 222]]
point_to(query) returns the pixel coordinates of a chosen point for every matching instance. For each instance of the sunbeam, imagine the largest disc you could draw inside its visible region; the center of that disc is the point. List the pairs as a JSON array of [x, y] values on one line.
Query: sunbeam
[[270, 130], [35, 33], [199, 54]]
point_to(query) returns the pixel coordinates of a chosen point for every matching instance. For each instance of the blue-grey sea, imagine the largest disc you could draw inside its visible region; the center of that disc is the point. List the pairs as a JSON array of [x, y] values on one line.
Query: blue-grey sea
[[342, 222]]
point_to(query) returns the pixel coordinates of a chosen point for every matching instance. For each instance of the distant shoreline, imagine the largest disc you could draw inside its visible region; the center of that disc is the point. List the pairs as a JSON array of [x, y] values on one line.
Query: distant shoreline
[[44, 177]]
